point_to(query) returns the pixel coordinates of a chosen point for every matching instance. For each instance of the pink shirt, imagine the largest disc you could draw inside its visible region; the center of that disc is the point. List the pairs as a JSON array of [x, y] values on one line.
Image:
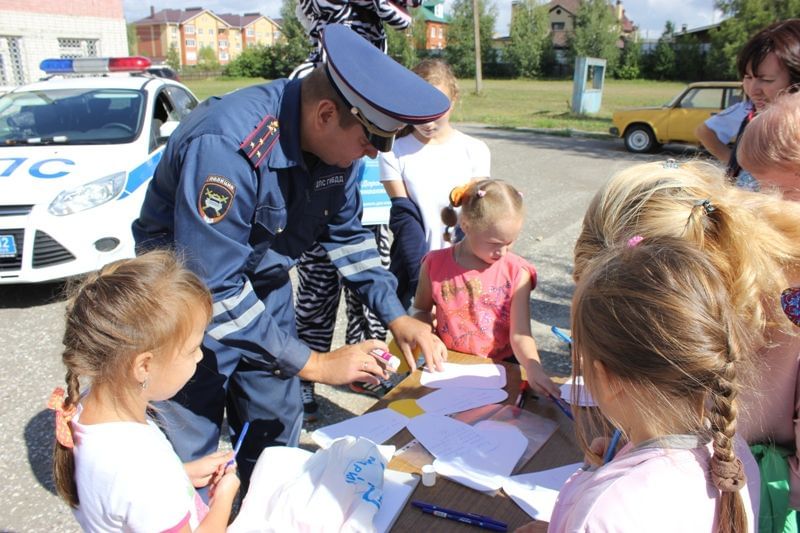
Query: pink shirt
[[473, 307], [660, 486]]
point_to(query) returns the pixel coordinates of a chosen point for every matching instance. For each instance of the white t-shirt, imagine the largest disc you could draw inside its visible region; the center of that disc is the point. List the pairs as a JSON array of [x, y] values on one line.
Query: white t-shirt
[[130, 479], [430, 171], [656, 487], [727, 122]]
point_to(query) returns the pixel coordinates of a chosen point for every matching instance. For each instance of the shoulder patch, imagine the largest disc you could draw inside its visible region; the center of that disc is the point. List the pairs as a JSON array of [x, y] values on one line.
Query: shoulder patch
[[326, 182], [260, 142], [216, 197]]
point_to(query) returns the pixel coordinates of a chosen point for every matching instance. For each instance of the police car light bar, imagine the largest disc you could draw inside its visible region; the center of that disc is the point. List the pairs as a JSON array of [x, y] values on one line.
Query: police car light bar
[[82, 65]]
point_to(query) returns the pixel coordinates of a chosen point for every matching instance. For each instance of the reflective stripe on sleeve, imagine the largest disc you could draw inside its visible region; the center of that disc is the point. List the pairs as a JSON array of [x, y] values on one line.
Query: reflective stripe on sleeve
[[361, 266], [344, 251], [238, 323], [229, 304]]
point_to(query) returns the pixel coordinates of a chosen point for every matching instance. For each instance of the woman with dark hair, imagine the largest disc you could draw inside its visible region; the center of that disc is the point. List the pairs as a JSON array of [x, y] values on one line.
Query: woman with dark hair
[[768, 64]]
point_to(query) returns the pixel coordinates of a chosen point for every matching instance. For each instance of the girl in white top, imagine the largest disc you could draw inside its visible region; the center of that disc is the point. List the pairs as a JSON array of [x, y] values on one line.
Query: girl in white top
[[427, 163], [134, 329], [660, 348]]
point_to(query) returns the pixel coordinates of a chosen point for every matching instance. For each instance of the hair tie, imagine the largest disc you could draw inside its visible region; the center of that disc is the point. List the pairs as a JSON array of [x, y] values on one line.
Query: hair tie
[[671, 163], [728, 476], [63, 416], [707, 206], [480, 193], [457, 194], [634, 241], [790, 301]]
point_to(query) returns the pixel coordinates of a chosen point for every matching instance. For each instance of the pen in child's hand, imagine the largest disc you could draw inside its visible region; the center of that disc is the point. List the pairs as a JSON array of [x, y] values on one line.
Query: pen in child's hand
[[560, 404], [239, 441], [612, 446], [523, 388]]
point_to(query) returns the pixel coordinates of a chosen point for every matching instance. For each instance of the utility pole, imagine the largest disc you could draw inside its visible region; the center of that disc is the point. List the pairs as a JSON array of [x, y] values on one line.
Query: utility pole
[[477, 22]]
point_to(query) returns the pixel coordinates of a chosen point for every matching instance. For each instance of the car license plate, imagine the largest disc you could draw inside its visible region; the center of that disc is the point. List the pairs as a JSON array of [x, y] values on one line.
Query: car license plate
[[8, 246]]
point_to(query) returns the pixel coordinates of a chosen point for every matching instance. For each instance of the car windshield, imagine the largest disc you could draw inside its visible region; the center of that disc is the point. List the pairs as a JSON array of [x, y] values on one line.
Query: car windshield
[[71, 116]]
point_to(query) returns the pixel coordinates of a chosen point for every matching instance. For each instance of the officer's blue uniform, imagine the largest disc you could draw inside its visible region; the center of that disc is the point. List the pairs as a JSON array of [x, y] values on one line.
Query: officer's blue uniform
[[237, 197]]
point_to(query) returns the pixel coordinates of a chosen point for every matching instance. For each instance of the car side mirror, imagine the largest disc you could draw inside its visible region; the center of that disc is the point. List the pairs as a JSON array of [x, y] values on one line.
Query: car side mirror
[[167, 128]]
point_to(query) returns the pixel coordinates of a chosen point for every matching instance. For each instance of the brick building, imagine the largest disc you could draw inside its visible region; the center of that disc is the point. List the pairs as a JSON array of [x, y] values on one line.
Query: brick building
[[31, 31]]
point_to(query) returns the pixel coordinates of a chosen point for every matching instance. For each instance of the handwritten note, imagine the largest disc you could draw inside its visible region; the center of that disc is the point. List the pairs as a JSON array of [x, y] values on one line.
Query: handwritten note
[[488, 376], [378, 426], [478, 457], [536, 492], [456, 399]]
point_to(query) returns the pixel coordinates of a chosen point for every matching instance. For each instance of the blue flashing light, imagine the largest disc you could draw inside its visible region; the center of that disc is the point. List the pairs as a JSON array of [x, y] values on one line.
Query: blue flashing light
[[56, 66]]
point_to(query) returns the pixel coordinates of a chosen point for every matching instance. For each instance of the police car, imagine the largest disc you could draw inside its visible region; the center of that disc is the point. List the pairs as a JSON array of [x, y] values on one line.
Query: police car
[[76, 154]]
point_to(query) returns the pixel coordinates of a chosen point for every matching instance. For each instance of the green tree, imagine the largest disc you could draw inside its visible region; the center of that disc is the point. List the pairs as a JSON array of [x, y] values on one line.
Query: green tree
[[173, 58], [249, 64], [596, 33], [133, 43], [529, 32], [418, 28], [628, 66], [745, 19], [293, 48], [663, 62], [207, 59], [460, 50], [399, 46]]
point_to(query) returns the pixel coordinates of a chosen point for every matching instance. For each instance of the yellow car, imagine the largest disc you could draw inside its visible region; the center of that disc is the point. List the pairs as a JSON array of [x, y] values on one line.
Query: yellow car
[[646, 128]]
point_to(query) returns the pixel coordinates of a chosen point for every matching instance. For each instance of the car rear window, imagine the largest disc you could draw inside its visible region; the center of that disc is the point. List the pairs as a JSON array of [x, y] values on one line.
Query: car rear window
[[71, 116]]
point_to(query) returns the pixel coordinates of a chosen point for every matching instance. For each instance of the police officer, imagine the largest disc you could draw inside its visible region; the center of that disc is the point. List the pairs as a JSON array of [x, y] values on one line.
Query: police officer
[[247, 183]]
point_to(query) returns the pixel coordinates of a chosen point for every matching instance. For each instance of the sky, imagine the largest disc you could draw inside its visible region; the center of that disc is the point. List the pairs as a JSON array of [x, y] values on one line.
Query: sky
[[649, 15]]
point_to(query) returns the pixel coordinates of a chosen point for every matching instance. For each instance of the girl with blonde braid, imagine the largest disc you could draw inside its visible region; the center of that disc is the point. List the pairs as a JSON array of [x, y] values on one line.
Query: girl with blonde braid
[[479, 288], [753, 240], [661, 350], [134, 330]]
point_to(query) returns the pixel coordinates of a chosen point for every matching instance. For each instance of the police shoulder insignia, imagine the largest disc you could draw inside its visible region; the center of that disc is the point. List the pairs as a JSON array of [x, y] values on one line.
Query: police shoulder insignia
[[216, 197], [260, 142]]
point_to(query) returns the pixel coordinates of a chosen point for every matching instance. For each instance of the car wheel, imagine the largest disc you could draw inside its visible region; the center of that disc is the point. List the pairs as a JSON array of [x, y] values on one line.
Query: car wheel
[[640, 139]]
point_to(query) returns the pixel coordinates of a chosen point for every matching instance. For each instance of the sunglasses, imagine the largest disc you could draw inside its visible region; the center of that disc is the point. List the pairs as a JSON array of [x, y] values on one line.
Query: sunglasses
[[382, 140]]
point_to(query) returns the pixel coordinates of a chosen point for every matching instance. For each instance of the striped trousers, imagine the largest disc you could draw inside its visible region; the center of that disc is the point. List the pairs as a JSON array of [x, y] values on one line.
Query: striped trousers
[[318, 294]]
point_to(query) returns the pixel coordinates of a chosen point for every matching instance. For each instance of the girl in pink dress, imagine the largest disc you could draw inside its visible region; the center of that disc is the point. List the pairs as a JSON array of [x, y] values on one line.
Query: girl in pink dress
[[477, 293]]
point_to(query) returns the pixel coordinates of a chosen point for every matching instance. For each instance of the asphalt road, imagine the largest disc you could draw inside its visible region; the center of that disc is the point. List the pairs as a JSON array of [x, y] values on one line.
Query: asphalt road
[[558, 176]]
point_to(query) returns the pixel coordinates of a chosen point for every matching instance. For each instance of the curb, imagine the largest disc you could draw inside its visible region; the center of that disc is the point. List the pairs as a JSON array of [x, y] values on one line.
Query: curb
[[556, 132]]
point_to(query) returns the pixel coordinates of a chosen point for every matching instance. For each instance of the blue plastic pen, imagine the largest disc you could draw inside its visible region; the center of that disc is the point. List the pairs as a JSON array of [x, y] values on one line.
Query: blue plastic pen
[[474, 519], [561, 335], [564, 409], [239, 441], [612, 446]]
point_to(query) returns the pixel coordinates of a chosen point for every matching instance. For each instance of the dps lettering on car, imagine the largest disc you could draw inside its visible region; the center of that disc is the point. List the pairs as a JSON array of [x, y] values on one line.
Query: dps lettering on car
[[216, 197]]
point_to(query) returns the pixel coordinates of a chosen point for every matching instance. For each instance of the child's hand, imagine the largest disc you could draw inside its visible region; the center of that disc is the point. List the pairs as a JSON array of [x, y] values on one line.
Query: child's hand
[[539, 381], [224, 487], [207, 469]]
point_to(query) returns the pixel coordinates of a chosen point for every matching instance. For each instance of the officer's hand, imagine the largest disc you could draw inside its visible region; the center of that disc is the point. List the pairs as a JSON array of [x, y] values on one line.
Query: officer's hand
[[347, 364], [410, 333]]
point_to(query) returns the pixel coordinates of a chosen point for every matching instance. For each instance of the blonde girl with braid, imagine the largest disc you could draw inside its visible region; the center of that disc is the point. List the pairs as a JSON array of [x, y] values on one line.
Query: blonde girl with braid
[[753, 240], [133, 335], [660, 348]]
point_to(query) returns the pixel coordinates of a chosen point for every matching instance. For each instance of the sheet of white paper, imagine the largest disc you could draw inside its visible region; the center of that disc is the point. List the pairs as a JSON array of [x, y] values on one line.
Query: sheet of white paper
[[536, 492], [397, 488], [584, 398], [488, 376], [477, 456], [456, 399], [378, 426]]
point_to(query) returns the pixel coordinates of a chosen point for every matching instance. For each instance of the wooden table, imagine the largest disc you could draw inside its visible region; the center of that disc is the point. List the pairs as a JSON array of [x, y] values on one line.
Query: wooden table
[[559, 450]]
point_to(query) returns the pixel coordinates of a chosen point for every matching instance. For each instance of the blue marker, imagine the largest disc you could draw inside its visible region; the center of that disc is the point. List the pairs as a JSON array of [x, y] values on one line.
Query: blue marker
[[239, 441], [612, 446], [563, 406], [561, 335]]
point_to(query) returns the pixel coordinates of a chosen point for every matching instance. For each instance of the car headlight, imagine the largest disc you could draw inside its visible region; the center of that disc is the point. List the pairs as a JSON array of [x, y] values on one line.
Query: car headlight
[[87, 196]]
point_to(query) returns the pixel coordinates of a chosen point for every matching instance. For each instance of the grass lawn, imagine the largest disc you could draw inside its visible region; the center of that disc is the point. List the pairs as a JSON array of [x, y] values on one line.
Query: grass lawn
[[517, 103]]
